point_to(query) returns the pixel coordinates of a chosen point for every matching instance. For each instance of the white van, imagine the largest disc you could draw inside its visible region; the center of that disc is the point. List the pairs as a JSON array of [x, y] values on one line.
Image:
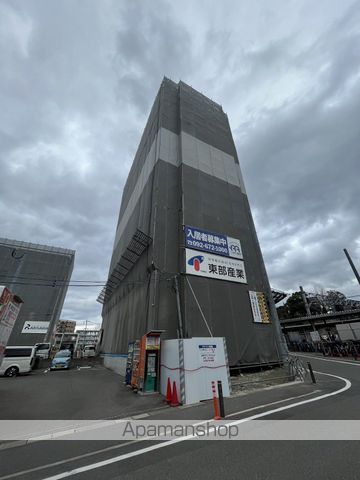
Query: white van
[[43, 350], [17, 360], [89, 351]]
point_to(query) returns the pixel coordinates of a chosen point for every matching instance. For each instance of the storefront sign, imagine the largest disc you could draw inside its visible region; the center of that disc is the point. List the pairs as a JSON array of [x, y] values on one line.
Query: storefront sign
[[35, 327], [214, 266], [212, 242]]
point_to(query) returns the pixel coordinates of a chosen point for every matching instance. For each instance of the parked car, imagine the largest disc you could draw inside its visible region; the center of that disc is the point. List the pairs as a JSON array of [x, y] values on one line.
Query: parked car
[[43, 350], [62, 360], [89, 351], [17, 360]]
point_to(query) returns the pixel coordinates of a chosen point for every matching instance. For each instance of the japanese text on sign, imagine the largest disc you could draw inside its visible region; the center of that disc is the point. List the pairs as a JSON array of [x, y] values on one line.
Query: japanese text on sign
[[259, 308], [207, 354], [214, 266], [212, 242]]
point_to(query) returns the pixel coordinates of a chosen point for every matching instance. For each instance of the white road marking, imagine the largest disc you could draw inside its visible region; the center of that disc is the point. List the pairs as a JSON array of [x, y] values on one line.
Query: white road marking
[[157, 446], [141, 415], [114, 447], [272, 403], [329, 360]]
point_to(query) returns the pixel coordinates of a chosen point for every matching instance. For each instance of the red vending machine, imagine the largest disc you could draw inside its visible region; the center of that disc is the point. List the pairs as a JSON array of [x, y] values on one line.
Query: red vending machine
[[145, 378]]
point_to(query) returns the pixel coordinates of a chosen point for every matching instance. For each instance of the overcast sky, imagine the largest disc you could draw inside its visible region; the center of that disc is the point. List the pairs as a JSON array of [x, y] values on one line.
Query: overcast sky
[[77, 82]]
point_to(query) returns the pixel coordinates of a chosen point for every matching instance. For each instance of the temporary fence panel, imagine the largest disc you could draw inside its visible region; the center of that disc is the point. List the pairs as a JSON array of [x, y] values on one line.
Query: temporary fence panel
[[203, 361]]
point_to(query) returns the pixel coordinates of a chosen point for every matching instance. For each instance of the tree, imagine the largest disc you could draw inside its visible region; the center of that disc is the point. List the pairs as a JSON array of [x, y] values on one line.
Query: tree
[[335, 300], [323, 302], [294, 307]]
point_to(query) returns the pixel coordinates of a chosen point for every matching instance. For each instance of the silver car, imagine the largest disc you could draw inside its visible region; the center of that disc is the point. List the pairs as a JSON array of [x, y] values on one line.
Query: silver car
[[62, 360]]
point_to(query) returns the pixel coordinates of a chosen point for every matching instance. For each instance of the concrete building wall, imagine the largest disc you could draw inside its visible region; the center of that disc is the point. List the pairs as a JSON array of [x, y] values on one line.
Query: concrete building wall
[[186, 172]]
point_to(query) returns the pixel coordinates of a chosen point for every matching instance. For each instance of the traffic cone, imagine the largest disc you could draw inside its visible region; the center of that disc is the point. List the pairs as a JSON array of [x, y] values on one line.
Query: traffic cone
[[168, 392], [174, 397]]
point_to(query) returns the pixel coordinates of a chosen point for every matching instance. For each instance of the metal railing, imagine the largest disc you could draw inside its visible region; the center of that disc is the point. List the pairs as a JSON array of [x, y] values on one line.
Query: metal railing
[[297, 368]]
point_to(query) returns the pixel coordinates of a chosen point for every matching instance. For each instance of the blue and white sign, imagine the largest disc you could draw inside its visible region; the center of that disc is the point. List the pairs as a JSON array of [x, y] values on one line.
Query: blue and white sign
[[212, 242], [214, 266]]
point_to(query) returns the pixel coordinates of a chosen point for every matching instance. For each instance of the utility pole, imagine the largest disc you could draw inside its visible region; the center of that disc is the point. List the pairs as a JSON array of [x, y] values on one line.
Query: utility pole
[[356, 273], [307, 308]]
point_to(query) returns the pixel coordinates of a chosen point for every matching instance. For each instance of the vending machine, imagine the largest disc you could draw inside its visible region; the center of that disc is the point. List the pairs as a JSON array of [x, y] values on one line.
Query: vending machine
[[151, 380], [145, 378], [129, 363]]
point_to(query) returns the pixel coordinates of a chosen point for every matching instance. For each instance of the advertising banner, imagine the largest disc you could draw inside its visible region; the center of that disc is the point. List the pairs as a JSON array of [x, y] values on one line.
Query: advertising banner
[[35, 327], [9, 310], [212, 242], [259, 308], [215, 266]]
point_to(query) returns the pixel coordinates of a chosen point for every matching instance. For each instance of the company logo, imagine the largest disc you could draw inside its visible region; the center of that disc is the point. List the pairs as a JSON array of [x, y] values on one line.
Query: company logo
[[235, 248], [196, 262], [35, 327], [29, 326]]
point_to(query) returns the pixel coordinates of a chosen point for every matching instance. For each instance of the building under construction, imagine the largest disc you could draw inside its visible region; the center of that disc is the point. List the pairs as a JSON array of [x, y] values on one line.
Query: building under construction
[[186, 258], [39, 275]]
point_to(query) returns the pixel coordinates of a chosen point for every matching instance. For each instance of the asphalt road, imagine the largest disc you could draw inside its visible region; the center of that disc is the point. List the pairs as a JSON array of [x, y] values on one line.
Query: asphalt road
[[216, 459], [88, 393]]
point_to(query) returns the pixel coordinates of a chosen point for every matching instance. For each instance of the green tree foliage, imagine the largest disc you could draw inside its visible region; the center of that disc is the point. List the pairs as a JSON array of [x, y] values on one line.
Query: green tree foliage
[[294, 306], [325, 302]]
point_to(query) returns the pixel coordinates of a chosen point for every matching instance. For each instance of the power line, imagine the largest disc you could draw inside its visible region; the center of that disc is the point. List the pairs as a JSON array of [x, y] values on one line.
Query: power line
[[50, 279], [55, 284]]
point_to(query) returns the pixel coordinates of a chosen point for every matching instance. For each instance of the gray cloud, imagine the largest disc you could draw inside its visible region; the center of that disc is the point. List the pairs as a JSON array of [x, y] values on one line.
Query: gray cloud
[[78, 82], [307, 197]]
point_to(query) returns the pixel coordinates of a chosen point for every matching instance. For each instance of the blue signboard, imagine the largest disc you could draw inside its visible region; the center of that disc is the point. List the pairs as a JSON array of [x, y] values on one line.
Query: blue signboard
[[216, 243]]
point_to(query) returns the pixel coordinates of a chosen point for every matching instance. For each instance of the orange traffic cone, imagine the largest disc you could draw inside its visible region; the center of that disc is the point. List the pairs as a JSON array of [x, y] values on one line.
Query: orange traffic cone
[[168, 392], [174, 397]]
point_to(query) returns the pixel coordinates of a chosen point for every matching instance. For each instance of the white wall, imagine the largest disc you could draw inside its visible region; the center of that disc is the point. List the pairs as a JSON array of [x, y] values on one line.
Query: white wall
[[198, 378], [198, 375], [117, 364]]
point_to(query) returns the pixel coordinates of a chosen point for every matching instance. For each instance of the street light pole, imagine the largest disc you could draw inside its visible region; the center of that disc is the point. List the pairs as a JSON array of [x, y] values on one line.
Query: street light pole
[[356, 273], [307, 308]]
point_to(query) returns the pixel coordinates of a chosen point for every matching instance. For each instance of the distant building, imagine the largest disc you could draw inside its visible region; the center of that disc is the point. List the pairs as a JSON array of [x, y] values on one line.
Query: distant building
[[39, 275], [87, 337], [65, 341], [65, 326]]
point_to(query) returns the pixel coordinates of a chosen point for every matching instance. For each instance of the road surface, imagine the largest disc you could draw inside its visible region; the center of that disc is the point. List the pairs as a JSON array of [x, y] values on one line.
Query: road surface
[[335, 397]]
